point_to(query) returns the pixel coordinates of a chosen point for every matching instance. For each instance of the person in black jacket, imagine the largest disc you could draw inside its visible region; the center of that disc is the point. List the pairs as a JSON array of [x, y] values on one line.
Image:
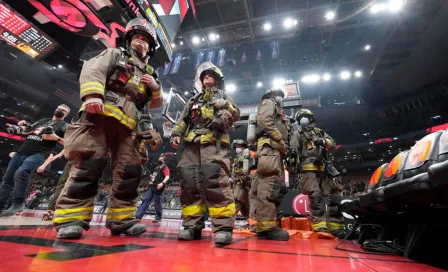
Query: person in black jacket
[[159, 180]]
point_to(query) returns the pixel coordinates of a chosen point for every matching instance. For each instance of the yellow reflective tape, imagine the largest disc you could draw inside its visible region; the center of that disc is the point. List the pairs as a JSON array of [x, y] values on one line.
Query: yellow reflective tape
[[225, 211], [92, 89], [313, 167], [127, 209], [72, 218], [193, 210], [120, 217], [93, 83], [265, 225], [115, 112], [208, 112], [335, 226], [319, 225], [74, 210]]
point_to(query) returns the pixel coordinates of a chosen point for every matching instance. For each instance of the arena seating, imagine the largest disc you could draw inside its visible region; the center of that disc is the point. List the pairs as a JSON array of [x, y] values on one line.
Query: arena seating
[[414, 183]]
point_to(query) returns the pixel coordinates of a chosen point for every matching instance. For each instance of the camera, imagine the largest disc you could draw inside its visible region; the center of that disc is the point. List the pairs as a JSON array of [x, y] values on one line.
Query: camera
[[19, 129], [46, 130]]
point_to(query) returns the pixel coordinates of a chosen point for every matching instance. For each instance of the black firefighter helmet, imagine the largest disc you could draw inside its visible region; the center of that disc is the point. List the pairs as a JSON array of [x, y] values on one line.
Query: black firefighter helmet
[[143, 27], [273, 92], [217, 74]]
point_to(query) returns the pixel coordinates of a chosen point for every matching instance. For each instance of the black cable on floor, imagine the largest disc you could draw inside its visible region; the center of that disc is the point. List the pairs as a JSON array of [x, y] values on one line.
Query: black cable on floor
[[380, 248]]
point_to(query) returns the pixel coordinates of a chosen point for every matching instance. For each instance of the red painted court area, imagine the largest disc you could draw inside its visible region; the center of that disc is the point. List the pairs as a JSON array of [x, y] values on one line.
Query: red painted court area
[[34, 248]]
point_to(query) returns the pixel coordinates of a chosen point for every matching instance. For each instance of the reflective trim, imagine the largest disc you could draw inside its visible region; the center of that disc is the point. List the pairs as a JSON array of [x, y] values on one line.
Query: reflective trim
[[225, 211], [319, 225], [117, 210], [72, 218], [180, 128], [335, 226], [193, 210], [313, 167], [276, 135], [91, 87], [115, 112], [73, 210], [120, 217], [265, 225]]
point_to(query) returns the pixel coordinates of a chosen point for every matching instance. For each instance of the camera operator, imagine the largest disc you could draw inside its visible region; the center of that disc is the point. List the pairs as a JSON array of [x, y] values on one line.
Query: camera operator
[[41, 140]]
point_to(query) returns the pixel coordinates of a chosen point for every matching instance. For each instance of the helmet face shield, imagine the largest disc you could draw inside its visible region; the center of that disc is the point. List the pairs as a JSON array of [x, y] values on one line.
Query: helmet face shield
[[304, 113]]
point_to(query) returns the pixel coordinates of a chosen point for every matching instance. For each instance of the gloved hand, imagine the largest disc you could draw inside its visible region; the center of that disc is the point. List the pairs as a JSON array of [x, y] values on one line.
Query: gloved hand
[[319, 142], [94, 104], [221, 104], [281, 147], [175, 141]]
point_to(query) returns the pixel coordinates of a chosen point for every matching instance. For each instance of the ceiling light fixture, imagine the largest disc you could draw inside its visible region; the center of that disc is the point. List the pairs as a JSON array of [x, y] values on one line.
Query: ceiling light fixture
[[358, 74], [288, 23], [326, 77], [267, 26], [345, 75], [367, 47], [231, 88], [181, 43], [330, 15], [278, 82], [395, 5], [311, 78], [259, 84], [196, 40], [59, 66]]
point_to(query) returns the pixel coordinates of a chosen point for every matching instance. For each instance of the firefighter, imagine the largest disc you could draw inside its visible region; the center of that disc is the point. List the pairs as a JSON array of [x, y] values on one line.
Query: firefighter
[[117, 88], [204, 168], [311, 143], [242, 174], [272, 144]]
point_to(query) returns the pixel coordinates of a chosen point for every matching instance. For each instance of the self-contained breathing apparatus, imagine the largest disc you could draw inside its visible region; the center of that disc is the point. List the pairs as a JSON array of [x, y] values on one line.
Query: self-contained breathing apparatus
[[124, 69]]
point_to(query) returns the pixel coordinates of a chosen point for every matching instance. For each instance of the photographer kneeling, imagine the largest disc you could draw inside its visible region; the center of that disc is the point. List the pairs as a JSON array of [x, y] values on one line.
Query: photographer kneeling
[[40, 142]]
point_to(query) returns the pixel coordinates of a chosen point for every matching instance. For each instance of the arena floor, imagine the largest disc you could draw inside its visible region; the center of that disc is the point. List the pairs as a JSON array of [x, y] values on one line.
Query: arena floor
[[28, 244]]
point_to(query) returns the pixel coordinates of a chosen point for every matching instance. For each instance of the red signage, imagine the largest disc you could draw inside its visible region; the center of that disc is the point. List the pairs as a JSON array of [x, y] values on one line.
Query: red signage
[[383, 140], [437, 128], [300, 204], [77, 17]]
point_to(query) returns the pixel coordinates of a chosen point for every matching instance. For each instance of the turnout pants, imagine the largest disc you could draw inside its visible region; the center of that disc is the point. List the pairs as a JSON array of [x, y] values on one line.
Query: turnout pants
[[322, 191], [269, 189], [103, 137], [204, 180], [61, 183], [241, 192]]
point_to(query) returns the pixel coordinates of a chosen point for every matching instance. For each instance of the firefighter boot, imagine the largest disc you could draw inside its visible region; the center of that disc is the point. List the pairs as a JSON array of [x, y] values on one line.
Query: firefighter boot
[[70, 232], [189, 234], [11, 211], [223, 238], [135, 230], [276, 234]]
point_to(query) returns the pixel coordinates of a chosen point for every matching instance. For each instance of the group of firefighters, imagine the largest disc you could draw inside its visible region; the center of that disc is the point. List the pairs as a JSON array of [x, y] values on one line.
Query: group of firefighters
[[119, 87]]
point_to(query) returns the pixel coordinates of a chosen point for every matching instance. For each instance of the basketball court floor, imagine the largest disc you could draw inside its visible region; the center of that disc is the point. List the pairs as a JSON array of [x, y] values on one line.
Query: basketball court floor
[[28, 244]]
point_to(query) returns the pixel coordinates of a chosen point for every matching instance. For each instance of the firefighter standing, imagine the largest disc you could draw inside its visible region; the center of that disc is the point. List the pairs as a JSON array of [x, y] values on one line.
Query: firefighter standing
[[310, 143], [204, 168], [116, 87], [242, 175], [273, 134]]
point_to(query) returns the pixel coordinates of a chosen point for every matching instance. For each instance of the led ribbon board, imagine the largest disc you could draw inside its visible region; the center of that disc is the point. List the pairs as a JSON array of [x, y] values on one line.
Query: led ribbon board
[[18, 32]]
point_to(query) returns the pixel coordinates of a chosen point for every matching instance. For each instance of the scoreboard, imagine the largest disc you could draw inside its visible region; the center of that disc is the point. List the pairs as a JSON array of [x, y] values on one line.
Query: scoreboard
[[18, 32]]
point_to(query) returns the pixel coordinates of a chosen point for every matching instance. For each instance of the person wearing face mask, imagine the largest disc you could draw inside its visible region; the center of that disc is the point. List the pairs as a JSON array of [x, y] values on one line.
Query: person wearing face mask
[[117, 88], [272, 145], [310, 143], [159, 179], [41, 139], [204, 167], [242, 180]]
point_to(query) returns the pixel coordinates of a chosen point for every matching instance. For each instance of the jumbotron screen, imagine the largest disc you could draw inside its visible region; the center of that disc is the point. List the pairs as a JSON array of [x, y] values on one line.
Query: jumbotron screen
[[18, 32]]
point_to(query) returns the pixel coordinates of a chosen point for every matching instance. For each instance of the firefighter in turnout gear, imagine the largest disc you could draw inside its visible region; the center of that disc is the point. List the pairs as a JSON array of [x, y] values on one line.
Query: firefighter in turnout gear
[[117, 88], [204, 168], [243, 172], [311, 144], [273, 138]]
